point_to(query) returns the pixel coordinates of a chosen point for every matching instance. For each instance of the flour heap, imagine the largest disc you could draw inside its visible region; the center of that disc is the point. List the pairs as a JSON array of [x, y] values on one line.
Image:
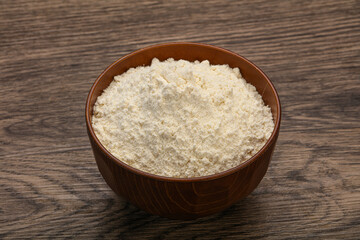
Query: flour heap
[[182, 119]]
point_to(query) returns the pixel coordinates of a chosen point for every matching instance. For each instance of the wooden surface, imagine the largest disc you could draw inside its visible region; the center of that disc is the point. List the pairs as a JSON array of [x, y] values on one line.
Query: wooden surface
[[52, 51]]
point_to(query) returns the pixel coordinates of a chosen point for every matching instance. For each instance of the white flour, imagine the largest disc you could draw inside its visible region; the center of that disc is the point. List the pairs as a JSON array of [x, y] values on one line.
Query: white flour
[[182, 119]]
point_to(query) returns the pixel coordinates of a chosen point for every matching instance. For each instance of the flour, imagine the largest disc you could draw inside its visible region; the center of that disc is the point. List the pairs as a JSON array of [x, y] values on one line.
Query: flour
[[182, 119]]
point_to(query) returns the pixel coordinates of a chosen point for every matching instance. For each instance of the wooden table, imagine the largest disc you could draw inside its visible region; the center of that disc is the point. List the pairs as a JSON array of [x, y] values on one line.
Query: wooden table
[[51, 53]]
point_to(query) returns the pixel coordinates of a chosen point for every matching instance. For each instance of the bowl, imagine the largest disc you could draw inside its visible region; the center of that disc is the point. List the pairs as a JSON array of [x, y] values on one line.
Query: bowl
[[184, 198]]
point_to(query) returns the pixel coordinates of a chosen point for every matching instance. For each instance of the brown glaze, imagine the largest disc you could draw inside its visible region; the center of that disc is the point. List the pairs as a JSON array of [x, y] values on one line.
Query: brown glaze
[[184, 198]]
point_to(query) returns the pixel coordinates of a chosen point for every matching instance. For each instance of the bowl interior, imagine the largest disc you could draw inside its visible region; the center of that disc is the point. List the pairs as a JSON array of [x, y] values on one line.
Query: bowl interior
[[190, 52]]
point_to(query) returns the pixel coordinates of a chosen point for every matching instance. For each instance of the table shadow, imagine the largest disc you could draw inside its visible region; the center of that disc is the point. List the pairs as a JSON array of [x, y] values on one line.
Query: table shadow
[[129, 222]]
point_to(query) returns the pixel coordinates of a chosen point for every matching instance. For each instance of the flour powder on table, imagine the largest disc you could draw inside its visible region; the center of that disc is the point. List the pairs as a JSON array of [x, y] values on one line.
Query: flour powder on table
[[182, 119]]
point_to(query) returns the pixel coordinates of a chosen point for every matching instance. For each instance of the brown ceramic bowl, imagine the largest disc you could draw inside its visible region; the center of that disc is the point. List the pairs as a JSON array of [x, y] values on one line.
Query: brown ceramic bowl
[[184, 198]]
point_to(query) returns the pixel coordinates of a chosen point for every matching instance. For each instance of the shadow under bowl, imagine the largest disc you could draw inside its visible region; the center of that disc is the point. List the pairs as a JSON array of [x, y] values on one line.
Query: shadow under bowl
[[184, 198]]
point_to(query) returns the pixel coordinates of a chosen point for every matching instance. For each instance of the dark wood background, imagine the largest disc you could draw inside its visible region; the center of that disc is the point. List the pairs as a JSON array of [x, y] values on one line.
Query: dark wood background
[[52, 51]]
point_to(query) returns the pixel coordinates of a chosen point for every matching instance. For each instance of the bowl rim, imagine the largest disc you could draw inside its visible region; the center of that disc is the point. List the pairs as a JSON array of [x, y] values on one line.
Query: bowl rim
[[222, 174]]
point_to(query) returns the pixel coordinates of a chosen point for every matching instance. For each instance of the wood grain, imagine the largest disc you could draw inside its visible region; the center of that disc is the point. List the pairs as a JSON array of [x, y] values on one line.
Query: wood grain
[[51, 53]]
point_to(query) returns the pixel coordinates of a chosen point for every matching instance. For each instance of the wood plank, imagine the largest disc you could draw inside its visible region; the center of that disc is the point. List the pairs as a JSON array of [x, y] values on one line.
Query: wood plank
[[51, 53]]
